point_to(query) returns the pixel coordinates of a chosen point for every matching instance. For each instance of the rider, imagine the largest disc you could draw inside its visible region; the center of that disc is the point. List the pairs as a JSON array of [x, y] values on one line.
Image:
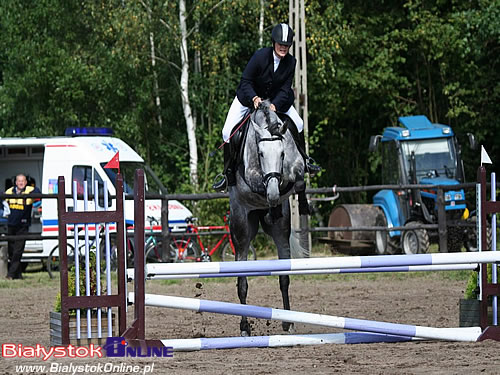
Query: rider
[[268, 75]]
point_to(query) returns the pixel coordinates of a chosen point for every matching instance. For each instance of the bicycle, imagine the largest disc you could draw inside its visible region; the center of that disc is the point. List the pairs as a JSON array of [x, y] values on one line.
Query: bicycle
[[188, 250], [53, 258], [153, 248]]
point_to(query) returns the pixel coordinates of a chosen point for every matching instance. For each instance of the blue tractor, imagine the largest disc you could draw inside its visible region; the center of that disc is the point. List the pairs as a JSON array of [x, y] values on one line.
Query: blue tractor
[[420, 152]]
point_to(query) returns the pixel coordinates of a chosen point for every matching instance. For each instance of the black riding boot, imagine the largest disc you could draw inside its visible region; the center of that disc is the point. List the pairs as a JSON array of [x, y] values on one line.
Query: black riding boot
[[311, 167], [229, 174]]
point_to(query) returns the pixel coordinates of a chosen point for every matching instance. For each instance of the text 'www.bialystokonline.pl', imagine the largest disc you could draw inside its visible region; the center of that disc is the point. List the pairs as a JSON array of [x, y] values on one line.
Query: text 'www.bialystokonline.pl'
[[99, 368]]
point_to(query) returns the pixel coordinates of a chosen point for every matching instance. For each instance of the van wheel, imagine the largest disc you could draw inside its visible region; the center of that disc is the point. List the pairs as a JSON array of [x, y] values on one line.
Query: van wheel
[[415, 241]]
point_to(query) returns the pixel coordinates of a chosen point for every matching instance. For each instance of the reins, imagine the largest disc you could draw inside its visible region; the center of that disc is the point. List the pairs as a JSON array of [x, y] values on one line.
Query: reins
[[231, 136]]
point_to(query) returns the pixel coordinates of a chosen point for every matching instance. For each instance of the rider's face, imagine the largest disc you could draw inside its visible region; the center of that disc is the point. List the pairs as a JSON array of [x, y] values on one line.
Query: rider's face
[[281, 50]]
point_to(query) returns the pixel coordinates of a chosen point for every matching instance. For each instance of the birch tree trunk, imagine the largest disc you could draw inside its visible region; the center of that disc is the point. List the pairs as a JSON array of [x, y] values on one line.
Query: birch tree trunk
[[186, 106], [156, 87], [261, 23]]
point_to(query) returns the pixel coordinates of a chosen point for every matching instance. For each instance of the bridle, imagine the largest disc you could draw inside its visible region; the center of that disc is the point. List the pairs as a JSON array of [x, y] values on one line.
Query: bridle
[[267, 177]]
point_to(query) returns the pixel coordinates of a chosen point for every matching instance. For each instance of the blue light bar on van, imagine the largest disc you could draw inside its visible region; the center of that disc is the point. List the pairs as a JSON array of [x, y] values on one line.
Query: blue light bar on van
[[75, 132]]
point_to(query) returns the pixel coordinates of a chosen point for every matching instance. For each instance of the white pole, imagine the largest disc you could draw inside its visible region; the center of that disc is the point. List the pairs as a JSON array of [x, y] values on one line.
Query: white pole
[[445, 267], [449, 334], [108, 260], [77, 260], [154, 269], [479, 235], [274, 341], [98, 259], [87, 259], [494, 246]]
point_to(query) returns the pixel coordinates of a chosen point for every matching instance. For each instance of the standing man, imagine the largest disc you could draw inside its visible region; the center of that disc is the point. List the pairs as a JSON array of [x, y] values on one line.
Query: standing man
[[18, 223]]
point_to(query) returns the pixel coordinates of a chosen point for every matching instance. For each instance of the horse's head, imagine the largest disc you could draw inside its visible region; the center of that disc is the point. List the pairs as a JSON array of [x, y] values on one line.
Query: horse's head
[[269, 130]]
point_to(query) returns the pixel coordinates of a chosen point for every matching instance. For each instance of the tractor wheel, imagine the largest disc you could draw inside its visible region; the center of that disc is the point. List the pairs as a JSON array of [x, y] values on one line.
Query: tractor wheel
[[415, 241], [470, 238], [384, 244]]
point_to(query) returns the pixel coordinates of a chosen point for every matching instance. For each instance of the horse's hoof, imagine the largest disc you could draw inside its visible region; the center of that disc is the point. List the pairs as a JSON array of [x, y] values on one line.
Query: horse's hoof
[[288, 327], [244, 334]]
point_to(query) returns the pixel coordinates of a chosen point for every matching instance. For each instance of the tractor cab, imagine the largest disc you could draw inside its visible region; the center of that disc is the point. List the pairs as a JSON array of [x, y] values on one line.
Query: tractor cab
[[418, 152]]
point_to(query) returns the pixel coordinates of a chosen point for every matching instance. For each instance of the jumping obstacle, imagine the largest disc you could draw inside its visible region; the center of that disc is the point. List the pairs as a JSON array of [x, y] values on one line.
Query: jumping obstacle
[[444, 267], [372, 331], [251, 311], [322, 263], [73, 219], [275, 341], [487, 289], [304, 266]]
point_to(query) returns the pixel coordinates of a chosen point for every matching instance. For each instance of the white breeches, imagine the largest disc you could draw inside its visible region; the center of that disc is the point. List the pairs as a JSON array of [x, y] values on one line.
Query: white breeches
[[237, 111]]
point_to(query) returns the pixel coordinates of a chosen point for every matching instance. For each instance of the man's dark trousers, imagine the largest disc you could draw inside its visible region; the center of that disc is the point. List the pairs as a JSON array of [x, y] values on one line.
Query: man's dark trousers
[[16, 249]]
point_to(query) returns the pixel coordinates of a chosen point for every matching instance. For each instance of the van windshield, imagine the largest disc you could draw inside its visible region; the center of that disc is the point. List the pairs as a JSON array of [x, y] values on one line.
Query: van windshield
[[127, 169]]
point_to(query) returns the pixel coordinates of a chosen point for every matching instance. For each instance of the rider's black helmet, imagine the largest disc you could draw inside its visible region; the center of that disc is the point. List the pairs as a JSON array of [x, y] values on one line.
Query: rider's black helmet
[[282, 34]]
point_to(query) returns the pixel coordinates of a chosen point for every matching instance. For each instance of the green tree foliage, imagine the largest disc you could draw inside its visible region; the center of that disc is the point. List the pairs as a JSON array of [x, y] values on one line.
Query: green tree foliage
[[89, 64], [372, 62]]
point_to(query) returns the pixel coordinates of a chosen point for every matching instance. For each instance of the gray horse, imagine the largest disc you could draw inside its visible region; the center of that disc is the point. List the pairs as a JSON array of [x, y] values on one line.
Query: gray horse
[[271, 170]]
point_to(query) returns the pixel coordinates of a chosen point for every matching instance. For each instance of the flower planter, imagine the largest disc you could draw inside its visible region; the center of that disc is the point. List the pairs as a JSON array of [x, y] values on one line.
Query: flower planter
[[56, 329], [470, 313]]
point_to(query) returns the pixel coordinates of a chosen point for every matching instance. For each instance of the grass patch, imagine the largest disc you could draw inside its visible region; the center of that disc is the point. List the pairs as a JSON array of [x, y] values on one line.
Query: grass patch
[[31, 279], [207, 280]]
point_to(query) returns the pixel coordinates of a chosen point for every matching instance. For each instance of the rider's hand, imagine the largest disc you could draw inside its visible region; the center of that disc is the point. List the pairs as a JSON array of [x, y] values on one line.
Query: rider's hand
[[272, 107], [256, 101]]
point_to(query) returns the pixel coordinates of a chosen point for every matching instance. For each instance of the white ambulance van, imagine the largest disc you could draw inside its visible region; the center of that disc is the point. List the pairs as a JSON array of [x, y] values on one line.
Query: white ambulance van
[[78, 158]]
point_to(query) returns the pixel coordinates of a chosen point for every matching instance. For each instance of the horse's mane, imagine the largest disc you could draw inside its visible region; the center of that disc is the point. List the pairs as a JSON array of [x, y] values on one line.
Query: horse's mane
[[272, 126]]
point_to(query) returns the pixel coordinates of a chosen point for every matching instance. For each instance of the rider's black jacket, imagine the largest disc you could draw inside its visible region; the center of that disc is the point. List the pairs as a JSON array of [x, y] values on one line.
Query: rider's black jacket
[[259, 79]]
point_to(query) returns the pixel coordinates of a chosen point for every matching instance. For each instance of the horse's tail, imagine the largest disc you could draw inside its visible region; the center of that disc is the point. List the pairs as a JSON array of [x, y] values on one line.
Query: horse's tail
[[296, 249]]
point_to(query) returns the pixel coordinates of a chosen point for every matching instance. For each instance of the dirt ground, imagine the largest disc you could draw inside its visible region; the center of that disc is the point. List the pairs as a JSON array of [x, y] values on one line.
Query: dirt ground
[[420, 299]]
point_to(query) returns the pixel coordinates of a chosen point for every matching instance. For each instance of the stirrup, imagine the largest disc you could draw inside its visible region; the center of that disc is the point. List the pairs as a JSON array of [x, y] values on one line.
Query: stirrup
[[312, 167], [220, 184]]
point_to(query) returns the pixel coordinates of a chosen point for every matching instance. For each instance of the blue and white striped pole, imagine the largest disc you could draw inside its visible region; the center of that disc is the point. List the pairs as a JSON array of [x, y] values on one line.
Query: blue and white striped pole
[[154, 269], [276, 341], [444, 267], [449, 334]]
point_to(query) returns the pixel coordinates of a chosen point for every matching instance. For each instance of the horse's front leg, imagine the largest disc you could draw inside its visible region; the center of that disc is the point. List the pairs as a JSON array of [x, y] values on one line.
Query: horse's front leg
[[243, 227], [284, 284], [242, 294], [280, 232]]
